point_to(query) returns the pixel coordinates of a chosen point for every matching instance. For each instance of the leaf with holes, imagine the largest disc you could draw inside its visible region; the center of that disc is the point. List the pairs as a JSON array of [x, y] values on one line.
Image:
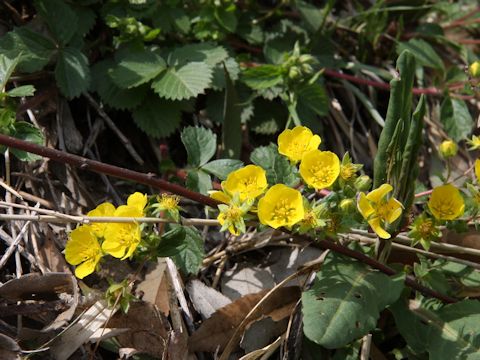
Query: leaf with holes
[[183, 82], [345, 301]]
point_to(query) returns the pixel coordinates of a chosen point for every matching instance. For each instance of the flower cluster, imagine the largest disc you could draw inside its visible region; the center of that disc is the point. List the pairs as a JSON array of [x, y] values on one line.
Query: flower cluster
[[88, 243]]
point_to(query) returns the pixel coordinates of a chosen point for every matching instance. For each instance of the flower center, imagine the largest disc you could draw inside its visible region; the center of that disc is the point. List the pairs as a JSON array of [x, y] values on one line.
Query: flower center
[[322, 172], [283, 211], [426, 228], [444, 208], [169, 202], [233, 214], [347, 172]]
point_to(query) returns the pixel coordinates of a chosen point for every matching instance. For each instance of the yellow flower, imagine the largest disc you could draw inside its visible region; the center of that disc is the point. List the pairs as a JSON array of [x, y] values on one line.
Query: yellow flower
[[102, 210], [448, 148], [446, 203], [477, 169], [248, 182], [281, 206], [320, 169], [137, 200], [83, 249], [474, 143], [232, 218], [378, 210], [220, 196], [296, 142], [121, 239], [474, 69], [168, 202]]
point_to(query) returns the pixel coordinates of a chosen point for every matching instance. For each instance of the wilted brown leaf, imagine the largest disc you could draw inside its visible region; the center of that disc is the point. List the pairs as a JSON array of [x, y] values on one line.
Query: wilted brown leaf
[[37, 287], [217, 330]]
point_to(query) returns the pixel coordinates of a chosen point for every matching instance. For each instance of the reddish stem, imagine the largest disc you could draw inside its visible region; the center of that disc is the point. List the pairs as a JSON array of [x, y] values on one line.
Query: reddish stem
[[152, 180]]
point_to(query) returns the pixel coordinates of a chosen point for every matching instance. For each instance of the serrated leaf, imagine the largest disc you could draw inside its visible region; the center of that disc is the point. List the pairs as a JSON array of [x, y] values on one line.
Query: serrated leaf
[[86, 20], [184, 82], [222, 167], [72, 72], [199, 181], [262, 77], [423, 53], [28, 132], [218, 80], [206, 52], [137, 67], [190, 258], [200, 143], [35, 50], [60, 18], [7, 67], [311, 14], [269, 117], [110, 93], [278, 168], [172, 242], [456, 118], [24, 90], [158, 117], [226, 17], [314, 97], [345, 301]]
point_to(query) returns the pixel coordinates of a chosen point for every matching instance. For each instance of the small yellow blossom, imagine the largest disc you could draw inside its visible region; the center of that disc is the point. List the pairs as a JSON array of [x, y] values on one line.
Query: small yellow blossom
[[446, 203], [448, 148], [281, 206], [168, 202], [424, 231], [232, 218], [137, 200], [378, 210], [474, 69], [102, 210], [320, 169], [294, 143], [477, 169], [348, 170], [474, 143], [83, 249], [248, 182], [121, 239]]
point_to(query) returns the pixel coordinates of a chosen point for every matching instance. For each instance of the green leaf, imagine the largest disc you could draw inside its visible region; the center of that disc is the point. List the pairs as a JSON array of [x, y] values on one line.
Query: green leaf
[[453, 330], [28, 132], [345, 301], [7, 122], [278, 168], [423, 52], [199, 181], [311, 14], [60, 18], [456, 118], [190, 258], [206, 52], [225, 15], [200, 144], [262, 77], [183, 82], [35, 50], [222, 167], [218, 80], [158, 117], [232, 121], [172, 242], [269, 117], [137, 67], [24, 90], [72, 72], [314, 97], [7, 67], [110, 93]]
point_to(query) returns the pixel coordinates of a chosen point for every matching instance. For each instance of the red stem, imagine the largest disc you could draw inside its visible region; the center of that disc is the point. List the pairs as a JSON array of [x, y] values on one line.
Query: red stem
[[152, 180]]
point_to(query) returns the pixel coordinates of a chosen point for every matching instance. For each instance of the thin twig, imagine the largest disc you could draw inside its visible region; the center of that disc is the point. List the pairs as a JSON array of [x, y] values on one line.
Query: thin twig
[[128, 145], [366, 344]]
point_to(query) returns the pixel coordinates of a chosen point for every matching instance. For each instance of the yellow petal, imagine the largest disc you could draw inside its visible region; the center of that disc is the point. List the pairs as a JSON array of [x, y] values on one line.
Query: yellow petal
[[477, 169], [364, 206], [105, 209], [294, 143], [446, 202], [137, 200], [320, 169], [248, 182], [82, 244], [85, 269], [376, 226], [379, 193], [220, 196], [114, 248], [394, 210], [281, 206]]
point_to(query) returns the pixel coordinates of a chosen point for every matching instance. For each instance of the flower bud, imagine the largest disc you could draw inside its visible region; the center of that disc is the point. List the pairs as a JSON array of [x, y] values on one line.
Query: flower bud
[[363, 183], [294, 73], [305, 59], [448, 148], [474, 69], [307, 69], [347, 205]]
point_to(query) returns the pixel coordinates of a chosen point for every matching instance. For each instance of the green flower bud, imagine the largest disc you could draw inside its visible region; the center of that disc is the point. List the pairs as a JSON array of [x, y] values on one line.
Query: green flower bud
[[474, 69], [307, 69], [363, 183], [347, 205], [306, 59], [294, 73]]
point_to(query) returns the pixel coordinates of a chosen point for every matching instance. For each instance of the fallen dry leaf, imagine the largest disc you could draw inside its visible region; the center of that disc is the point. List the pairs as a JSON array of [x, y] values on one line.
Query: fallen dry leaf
[[9, 349], [154, 287], [245, 280], [206, 300], [37, 287], [216, 331]]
